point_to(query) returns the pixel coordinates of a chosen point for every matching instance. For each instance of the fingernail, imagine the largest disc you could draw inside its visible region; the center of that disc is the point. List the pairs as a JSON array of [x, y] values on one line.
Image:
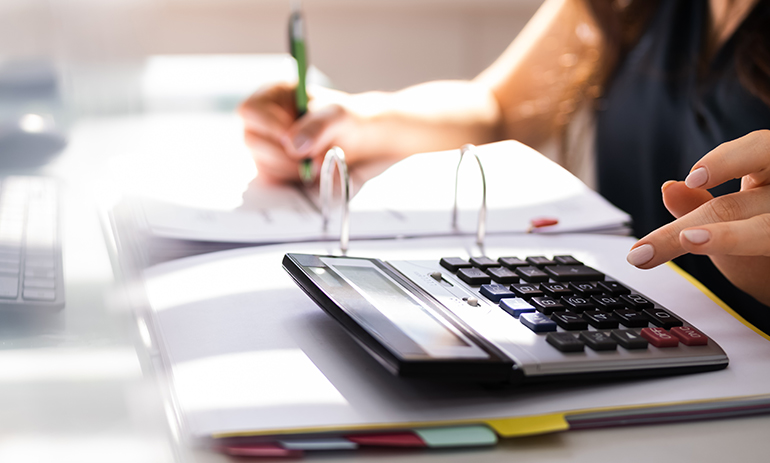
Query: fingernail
[[696, 235], [641, 255], [301, 143], [697, 178], [666, 185]]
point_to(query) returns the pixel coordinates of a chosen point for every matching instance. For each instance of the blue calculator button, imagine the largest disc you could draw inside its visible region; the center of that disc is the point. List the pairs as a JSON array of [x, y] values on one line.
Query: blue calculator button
[[537, 322], [496, 292], [516, 306]]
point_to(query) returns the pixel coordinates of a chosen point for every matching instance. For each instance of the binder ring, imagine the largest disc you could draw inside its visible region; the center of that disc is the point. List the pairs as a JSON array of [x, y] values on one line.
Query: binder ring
[[481, 226], [335, 156]]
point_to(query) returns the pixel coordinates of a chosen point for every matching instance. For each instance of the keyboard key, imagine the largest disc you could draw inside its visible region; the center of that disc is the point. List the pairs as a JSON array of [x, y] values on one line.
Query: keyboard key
[[566, 260], [512, 262], [9, 287], [608, 302], [483, 262], [600, 319], [526, 290], [689, 336], [503, 275], [495, 292], [516, 306], [586, 288], [631, 318], [662, 317], [636, 301], [598, 340], [614, 288], [473, 276], [659, 337], [547, 305], [537, 322], [577, 303], [556, 290], [565, 342], [573, 273], [453, 264], [630, 339], [540, 261], [569, 321], [531, 274]]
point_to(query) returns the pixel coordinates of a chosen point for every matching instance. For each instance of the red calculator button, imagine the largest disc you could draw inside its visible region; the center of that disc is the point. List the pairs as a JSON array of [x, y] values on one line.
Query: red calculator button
[[689, 336], [659, 337]]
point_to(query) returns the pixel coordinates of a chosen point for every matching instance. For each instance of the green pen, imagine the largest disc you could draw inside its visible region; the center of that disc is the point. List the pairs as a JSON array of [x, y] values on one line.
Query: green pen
[[299, 52]]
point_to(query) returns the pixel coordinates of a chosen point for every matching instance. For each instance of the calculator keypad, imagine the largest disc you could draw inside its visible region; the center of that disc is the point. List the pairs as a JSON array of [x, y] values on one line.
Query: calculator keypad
[[576, 305]]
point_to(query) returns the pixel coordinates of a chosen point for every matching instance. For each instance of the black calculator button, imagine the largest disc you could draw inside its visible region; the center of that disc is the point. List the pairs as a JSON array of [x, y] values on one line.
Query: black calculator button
[[662, 317], [598, 340], [586, 288], [556, 289], [526, 290], [537, 322], [516, 306], [547, 305], [636, 301], [531, 274], [601, 319], [566, 260], [453, 264], [630, 339], [503, 275], [495, 292], [573, 273], [565, 342], [473, 276], [540, 261], [483, 262], [614, 288], [608, 302], [512, 262], [569, 321], [631, 318], [577, 303]]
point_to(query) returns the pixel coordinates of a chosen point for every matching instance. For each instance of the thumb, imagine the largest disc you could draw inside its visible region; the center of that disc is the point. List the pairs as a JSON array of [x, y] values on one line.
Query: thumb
[[315, 132], [680, 200]]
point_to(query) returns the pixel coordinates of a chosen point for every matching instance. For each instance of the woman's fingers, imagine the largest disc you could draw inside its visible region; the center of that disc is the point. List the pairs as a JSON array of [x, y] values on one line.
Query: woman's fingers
[[664, 243], [748, 237], [681, 200], [746, 156]]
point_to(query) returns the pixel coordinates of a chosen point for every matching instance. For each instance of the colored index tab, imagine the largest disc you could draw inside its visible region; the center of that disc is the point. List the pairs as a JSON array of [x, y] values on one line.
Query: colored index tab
[[529, 425], [331, 443], [261, 450], [458, 436], [390, 439]]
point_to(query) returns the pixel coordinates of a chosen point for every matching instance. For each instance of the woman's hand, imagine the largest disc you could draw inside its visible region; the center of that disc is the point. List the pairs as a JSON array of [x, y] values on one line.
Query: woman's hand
[[734, 229]]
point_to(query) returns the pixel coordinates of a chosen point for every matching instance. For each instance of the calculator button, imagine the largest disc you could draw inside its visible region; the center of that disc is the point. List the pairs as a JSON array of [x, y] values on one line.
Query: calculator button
[[547, 305], [556, 289], [526, 290], [43, 283], [38, 273], [473, 276], [540, 261], [662, 317], [516, 306], [483, 262], [598, 340], [600, 319], [577, 303], [636, 301], [614, 288], [659, 337], [9, 268], [9, 287], [565, 342], [495, 292], [689, 336], [631, 318], [537, 322], [569, 321], [512, 262], [531, 274], [586, 288], [566, 260], [39, 294], [573, 273], [453, 264], [630, 339], [608, 302], [503, 275]]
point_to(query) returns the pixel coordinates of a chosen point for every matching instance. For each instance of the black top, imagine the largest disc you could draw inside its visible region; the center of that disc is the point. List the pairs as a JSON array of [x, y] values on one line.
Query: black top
[[661, 114]]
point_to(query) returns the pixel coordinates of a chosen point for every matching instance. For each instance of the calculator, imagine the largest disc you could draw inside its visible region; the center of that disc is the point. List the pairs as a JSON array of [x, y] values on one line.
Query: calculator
[[510, 319]]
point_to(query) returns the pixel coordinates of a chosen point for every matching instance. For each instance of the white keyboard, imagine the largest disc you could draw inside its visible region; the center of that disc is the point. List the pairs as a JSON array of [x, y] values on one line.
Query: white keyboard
[[30, 248]]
